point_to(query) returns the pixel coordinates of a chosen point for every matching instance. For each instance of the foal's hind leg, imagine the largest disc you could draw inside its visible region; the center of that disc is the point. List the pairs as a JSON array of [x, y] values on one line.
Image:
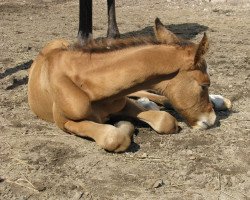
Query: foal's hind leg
[[162, 122], [108, 137], [112, 138], [72, 111]]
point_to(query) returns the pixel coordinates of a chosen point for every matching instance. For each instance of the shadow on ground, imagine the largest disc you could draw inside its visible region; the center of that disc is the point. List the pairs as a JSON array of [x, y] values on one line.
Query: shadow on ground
[[10, 71], [186, 31]]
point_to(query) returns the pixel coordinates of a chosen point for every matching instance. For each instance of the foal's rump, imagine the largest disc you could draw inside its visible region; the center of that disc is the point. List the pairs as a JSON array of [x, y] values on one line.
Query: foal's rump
[[39, 97], [54, 44]]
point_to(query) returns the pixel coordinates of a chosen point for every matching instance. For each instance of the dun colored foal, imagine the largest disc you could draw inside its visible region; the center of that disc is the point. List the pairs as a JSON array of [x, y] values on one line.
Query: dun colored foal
[[79, 88]]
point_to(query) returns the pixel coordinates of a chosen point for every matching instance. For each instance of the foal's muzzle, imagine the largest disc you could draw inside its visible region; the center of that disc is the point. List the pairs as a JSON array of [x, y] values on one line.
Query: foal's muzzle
[[205, 120]]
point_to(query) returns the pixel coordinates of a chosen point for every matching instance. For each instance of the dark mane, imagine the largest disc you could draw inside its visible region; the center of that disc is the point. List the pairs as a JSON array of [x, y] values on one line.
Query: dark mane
[[108, 45]]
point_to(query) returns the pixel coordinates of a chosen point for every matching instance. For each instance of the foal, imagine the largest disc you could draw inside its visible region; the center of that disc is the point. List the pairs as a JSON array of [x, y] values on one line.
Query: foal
[[80, 88]]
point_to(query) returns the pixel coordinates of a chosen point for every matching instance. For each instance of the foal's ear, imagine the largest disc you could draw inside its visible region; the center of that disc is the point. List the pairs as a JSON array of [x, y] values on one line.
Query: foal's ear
[[162, 34], [201, 50]]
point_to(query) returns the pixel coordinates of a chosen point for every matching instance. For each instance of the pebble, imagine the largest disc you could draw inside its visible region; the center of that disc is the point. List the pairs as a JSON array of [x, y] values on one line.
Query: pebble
[[86, 193], [189, 152], [162, 144], [39, 186], [78, 195], [192, 158], [248, 173], [144, 155], [158, 183]]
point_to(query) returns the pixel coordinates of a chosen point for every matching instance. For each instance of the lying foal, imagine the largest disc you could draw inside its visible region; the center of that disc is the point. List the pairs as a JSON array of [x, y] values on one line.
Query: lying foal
[[80, 88]]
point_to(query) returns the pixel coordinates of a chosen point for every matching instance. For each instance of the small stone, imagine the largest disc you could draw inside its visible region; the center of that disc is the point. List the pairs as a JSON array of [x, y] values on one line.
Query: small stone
[[162, 144], [158, 183], [78, 195], [86, 193], [189, 152], [1, 179], [73, 187], [248, 173], [36, 167], [39, 186], [144, 155], [192, 158]]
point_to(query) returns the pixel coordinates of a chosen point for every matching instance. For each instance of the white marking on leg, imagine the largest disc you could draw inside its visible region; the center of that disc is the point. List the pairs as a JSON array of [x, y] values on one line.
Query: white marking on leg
[[219, 102], [147, 104]]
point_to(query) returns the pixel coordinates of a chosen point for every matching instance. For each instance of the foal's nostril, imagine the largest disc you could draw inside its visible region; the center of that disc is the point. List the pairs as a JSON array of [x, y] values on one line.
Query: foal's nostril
[[206, 124]]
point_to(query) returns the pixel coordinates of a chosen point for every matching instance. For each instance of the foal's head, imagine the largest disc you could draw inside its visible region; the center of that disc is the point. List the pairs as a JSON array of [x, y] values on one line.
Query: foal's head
[[188, 90]]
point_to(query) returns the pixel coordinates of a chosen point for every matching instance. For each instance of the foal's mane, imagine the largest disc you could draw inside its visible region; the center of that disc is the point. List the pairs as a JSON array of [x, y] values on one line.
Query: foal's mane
[[107, 45]]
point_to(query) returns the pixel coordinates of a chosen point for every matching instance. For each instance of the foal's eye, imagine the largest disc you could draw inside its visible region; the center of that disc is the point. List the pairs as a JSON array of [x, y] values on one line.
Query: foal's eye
[[205, 86]]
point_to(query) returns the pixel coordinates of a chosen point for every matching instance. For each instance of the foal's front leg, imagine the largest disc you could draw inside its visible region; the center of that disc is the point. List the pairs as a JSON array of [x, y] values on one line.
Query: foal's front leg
[[219, 102], [159, 99], [161, 121]]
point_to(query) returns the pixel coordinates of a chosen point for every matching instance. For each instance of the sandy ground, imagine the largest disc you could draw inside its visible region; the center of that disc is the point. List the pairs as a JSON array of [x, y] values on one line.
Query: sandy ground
[[39, 161]]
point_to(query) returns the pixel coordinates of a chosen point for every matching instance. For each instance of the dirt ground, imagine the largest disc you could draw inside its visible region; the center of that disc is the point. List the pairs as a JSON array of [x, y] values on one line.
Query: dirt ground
[[39, 161]]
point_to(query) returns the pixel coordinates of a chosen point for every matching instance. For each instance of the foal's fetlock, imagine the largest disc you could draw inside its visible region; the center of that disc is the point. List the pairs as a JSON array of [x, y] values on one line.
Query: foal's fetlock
[[227, 104], [118, 139], [126, 127]]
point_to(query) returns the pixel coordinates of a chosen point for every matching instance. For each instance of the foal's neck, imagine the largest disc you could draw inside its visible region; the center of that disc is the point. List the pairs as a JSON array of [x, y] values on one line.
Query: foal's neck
[[119, 73]]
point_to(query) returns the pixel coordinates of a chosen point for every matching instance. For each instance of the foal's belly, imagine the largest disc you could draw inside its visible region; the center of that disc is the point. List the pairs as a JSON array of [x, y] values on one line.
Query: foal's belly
[[103, 109]]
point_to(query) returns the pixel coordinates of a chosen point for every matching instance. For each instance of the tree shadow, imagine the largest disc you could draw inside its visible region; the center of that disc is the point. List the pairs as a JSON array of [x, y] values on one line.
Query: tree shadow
[[186, 30]]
